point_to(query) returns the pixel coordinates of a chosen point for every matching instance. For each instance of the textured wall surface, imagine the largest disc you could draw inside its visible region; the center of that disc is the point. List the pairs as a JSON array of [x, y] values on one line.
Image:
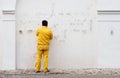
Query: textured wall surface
[[109, 40], [112, 5], [73, 24], [7, 35], [0, 34], [6, 5]]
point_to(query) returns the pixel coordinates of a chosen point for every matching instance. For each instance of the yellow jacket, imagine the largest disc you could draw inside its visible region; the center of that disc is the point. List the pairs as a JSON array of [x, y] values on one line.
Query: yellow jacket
[[44, 35]]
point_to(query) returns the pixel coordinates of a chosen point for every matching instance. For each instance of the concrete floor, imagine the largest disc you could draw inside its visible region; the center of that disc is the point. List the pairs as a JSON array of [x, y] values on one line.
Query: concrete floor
[[55, 76], [56, 73]]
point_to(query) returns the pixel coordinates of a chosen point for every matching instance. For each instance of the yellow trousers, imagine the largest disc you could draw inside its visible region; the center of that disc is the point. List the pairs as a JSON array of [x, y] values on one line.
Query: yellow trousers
[[38, 60]]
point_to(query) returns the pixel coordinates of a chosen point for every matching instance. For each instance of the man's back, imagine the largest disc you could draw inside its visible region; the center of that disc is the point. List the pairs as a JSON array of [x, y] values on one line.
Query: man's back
[[44, 35]]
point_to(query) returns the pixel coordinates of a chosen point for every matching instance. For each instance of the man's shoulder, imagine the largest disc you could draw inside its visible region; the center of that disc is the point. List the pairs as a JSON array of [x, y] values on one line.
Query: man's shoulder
[[49, 30], [39, 28]]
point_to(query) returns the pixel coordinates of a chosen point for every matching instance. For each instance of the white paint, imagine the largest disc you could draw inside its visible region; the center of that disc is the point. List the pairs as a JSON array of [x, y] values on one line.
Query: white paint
[[8, 37], [109, 41], [8, 40], [75, 41], [8, 4], [108, 5], [0, 35], [73, 24]]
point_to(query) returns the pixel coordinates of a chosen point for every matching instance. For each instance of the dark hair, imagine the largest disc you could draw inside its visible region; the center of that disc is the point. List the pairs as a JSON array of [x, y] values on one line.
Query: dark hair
[[44, 23]]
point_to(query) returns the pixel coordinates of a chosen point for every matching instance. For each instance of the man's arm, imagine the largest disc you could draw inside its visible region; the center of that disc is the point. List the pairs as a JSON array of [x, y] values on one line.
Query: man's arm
[[37, 32], [51, 35]]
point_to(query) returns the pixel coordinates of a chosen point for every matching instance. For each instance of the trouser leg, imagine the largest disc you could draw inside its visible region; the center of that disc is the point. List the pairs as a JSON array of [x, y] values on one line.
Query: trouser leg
[[38, 61], [45, 53]]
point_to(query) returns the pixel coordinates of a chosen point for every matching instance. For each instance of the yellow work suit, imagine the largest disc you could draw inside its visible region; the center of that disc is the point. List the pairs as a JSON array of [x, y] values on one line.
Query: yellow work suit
[[44, 35]]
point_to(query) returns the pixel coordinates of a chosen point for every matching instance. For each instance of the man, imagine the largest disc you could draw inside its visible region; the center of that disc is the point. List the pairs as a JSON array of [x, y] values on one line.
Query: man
[[44, 35]]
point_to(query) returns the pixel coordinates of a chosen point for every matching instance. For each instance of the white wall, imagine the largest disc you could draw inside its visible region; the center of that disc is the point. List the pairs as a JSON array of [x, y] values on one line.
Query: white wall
[[8, 4], [0, 35], [109, 31], [7, 35], [75, 43], [109, 40], [8, 40], [73, 24], [108, 5]]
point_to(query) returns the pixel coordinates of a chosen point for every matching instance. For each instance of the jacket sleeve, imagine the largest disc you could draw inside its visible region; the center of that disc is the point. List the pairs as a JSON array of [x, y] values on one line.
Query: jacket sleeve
[[51, 35], [37, 32]]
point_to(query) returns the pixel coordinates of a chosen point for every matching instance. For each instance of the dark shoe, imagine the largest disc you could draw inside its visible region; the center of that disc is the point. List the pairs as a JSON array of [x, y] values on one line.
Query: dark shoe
[[46, 71], [37, 71]]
